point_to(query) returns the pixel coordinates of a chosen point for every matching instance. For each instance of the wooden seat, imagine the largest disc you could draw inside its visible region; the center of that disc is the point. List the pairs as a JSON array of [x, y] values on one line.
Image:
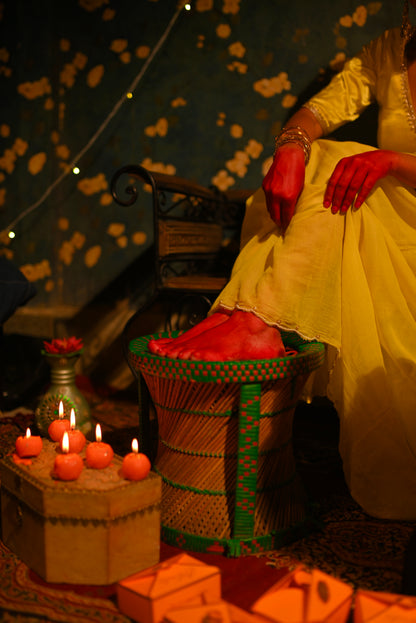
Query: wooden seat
[[196, 230]]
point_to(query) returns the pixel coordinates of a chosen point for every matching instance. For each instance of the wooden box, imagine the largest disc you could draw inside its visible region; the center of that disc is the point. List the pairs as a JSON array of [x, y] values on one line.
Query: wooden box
[[95, 530], [306, 597], [218, 612], [381, 607], [147, 596]]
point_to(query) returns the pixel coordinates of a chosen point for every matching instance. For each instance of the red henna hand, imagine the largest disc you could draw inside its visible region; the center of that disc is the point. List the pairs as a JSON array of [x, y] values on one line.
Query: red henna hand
[[354, 178], [283, 183]]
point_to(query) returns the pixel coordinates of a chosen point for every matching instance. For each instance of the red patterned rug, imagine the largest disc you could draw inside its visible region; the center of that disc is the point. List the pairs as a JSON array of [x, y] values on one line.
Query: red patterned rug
[[363, 551]]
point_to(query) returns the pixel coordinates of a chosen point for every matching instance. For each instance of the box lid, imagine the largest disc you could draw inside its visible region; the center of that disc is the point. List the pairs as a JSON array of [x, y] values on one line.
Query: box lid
[[303, 596], [371, 605], [97, 494], [169, 576], [218, 611]]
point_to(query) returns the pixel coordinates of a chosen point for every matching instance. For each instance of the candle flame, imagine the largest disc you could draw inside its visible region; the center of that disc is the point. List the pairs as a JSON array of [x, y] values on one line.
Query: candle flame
[[72, 419], [135, 445], [28, 433], [65, 443], [61, 409], [98, 435]]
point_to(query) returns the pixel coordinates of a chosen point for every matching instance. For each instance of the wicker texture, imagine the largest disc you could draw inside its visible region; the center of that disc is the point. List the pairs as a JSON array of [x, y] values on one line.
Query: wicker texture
[[225, 446]]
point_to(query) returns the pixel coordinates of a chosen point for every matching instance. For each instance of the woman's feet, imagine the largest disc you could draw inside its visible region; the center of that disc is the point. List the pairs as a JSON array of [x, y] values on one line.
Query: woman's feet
[[242, 335], [162, 345]]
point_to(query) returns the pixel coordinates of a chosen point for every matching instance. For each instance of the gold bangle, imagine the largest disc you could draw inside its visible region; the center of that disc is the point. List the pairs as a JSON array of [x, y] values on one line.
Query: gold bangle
[[294, 134]]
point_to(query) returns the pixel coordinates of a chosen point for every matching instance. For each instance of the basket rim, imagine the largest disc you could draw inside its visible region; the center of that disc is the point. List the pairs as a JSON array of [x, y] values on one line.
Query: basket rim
[[310, 356]]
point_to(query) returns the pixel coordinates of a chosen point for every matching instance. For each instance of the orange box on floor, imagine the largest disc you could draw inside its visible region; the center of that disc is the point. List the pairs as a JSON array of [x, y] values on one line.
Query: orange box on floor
[[218, 612], [97, 529], [379, 607], [147, 596], [306, 597]]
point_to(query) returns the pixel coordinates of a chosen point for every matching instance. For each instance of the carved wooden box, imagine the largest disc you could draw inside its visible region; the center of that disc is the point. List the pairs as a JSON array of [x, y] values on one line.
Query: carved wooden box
[[97, 530]]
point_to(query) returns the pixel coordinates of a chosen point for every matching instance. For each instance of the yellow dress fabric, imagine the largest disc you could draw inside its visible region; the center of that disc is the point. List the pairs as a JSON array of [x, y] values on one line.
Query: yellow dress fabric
[[350, 282]]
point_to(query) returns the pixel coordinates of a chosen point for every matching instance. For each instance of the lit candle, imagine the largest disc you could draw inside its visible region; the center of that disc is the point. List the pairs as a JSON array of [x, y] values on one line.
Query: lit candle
[[68, 465], [98, 453], [76, 439], [28, 445], [136, 465], [58, 427]]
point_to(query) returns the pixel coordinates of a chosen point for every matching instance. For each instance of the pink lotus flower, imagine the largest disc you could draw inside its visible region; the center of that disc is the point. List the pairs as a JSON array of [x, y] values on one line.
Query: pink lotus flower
[[63, 346]]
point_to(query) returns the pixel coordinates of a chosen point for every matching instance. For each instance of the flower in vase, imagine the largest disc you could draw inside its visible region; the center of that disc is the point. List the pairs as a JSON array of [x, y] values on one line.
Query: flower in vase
[[63, 346]]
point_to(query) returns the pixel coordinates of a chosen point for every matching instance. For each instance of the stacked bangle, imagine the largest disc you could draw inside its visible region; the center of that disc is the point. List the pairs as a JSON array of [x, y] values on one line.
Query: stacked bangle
[[297, 135]]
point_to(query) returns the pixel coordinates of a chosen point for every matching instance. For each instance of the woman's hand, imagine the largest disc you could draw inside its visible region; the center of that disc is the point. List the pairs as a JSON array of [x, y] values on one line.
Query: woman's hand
[[284, 182], [354, 178]]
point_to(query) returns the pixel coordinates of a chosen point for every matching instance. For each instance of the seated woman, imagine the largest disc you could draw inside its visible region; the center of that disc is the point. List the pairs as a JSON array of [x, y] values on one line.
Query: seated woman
[[329, 251]]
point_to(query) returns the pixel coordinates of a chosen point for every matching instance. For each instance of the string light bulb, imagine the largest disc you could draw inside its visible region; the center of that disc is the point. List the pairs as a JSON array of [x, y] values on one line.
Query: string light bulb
[[11, 234], [76, 171], [187, 6], [129, 95]]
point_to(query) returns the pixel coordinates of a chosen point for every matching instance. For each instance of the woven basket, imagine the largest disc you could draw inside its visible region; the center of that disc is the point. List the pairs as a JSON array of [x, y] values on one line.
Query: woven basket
[[225, 447]]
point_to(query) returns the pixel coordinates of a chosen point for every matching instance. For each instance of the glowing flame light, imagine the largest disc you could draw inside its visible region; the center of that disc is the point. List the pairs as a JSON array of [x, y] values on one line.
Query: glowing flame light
[[28, 433], [65, 443], [98, 436], [135, 445], [61, 409], [72, 419]]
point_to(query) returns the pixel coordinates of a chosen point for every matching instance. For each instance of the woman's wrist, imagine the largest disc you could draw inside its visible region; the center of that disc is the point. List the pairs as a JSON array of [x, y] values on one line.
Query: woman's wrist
[[295, 135]]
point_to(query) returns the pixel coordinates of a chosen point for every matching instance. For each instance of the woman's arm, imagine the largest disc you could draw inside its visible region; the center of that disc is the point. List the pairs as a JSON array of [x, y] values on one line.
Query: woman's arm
[[284, 181], [354, 177]]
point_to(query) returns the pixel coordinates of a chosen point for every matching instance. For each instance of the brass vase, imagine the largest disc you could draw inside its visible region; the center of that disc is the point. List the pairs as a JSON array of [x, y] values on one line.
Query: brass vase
[[63, 388]]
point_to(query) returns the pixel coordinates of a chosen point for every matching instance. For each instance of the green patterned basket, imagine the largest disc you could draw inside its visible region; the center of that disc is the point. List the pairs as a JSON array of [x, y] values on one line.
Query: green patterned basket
[[225, 447]]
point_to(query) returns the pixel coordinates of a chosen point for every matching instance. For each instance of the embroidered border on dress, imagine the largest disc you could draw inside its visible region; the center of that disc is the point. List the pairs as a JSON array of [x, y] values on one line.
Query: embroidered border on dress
[[405, 89], [319, 115]]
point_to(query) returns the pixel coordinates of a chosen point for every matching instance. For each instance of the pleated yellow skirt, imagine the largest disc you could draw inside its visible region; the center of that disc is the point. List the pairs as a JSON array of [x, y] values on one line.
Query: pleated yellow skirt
[[350, 282]]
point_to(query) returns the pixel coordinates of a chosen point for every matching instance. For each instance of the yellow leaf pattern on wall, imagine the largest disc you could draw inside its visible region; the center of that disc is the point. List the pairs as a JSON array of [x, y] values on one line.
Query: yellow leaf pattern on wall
[[236, 130], [223, 180], [160, 128], [204, 5], [360, 16], [115, 229], [32, 90], [36, 163], [108, 15], [122, 242], [142, 51], [223, 31], [118, 45], [95, 75], [106, 199], [231, 6], [91, 5], [92, 256], [237, 49], [91, 185], [139, 238], [34, 272]]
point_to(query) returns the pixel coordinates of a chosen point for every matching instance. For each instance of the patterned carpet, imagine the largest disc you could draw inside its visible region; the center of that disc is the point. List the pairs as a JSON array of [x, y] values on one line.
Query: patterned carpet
[[365, 552]]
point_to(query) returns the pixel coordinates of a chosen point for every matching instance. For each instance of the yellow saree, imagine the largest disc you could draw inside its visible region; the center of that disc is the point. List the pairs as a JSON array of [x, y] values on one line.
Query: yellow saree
[[350, 281]]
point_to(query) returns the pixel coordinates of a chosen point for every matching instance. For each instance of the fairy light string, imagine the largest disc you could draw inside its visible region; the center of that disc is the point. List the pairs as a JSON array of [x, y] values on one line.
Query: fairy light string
[[127, 95]]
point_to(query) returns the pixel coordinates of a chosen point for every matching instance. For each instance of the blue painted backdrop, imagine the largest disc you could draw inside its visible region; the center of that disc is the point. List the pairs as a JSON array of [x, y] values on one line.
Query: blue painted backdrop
[[102, 83]]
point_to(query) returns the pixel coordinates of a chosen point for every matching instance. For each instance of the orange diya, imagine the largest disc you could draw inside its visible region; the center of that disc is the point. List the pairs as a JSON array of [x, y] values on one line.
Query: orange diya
[[68, 465], [28, 445], [98, 453], [136, 465], [57, 427], [76, 439]]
